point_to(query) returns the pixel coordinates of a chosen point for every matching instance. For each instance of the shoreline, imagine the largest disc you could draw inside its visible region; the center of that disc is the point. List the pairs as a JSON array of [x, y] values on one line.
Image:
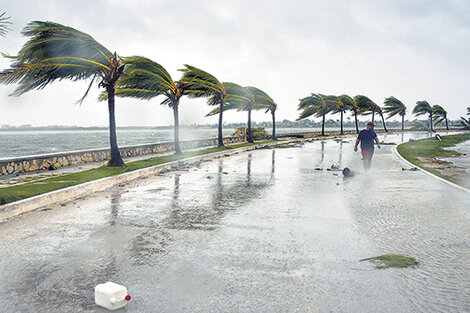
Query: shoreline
[[428, 155]]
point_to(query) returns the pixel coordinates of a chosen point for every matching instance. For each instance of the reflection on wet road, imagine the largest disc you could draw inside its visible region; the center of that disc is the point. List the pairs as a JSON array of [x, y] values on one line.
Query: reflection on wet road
[[261, 231]]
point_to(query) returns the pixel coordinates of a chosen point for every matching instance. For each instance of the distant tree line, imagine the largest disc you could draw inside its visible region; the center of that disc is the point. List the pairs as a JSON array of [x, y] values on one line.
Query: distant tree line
[[319, 105]]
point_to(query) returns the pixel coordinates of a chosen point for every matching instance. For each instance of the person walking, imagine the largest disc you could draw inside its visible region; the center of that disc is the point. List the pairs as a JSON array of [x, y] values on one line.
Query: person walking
[[367, 137]]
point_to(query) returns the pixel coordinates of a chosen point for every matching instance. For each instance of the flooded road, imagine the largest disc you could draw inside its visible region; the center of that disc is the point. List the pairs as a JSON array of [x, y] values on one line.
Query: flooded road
[[261, 231]]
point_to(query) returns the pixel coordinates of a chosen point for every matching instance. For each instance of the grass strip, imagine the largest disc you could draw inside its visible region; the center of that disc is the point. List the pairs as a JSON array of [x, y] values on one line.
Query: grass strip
[[431, 148], [31, 189]]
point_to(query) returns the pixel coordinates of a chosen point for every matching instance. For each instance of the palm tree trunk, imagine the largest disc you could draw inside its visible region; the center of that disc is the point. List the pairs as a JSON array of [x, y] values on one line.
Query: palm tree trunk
[[373, 115], [447, 124], [430, 121], [402, 123], [250, 138], [221, 138], [176, 129], [323, 125], [355, 117], [116, 159], [383, 122], [342, 133], [273, 136]]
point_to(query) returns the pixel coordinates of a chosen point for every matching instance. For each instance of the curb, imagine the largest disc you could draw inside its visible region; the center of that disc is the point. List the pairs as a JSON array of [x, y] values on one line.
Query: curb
[[10, 210], [395, 151]]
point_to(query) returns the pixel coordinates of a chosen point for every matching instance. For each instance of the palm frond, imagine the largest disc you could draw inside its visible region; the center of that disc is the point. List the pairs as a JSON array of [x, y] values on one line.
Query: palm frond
[[55, 52], [143, 73], [4, 22], [238, 97], [336, 104], [349, 102], [198, 83], [422, 107], [315, 104], [393, 106], [438, 111], [145, 79], [365, 105], [262, 100]]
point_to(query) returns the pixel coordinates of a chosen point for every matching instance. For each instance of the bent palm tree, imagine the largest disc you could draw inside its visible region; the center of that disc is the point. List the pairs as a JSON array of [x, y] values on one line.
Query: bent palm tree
[[381, 114], [263, 101], [423, 107], [56, 52], [318, 105], [145, 79], [340, 107], [351, 105], [366, 106], [439, 114], [199, 83], [393, 106], [241, 99]]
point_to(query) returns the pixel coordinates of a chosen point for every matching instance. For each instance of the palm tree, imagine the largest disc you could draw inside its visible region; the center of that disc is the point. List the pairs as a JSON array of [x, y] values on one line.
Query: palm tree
[[318, 105], [351, 105], [199, 83], [241, 99], [381, 113], [340, 107], [439, 115], [56, 52], [423, 107], [145, 79], [4, 22], [393, 106], [263, 101], [367, 106]]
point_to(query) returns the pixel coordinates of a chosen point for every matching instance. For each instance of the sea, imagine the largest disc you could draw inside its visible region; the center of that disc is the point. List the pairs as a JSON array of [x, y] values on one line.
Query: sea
[[18, 143]]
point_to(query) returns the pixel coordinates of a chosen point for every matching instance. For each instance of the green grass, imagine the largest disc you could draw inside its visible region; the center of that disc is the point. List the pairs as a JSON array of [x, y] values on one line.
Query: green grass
[[432, 148], [30, 189], [393, 260]]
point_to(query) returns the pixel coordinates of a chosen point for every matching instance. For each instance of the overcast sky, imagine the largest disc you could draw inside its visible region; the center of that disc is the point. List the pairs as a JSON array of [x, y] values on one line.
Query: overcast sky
[[413, 50]]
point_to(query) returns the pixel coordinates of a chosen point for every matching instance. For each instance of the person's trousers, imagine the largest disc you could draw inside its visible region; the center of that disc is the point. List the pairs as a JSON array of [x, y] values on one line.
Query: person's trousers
[[367, 154]]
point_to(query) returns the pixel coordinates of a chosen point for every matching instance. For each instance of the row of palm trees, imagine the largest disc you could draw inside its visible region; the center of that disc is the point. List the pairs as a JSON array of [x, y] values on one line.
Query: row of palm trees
[[320, 105], [55, 52]]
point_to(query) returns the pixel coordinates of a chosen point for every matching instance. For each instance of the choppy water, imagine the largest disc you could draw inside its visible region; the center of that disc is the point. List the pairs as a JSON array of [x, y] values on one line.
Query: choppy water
[[24, 143], [463, 160]]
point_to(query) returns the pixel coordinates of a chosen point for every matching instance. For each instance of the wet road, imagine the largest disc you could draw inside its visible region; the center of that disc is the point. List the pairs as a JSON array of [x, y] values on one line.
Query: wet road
[[261, 231]]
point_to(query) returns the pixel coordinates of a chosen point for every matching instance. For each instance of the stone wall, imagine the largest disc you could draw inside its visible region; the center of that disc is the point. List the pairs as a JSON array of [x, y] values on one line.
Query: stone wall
[[44, 162]]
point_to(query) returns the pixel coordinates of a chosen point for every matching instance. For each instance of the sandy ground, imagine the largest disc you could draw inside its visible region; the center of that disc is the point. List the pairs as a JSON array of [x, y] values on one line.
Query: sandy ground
[[261, 231]]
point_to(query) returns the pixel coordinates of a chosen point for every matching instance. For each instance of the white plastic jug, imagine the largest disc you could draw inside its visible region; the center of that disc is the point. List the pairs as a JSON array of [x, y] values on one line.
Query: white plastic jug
[[111, 296]]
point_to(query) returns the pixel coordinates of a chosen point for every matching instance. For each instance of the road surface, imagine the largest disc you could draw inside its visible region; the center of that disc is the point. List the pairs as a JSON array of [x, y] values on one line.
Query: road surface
[[261, 231]]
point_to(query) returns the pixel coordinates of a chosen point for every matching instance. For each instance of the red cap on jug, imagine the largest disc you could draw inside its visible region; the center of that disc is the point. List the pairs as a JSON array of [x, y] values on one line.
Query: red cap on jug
[[128, 297]]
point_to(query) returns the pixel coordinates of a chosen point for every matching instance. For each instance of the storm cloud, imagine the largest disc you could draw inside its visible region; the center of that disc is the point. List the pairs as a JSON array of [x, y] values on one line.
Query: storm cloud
[[413, 50]]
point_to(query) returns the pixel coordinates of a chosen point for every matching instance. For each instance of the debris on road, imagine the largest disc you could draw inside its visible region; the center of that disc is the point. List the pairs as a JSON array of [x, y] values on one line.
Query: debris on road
[[409, 169], [392, 260], [111, 296], [347, 172]]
